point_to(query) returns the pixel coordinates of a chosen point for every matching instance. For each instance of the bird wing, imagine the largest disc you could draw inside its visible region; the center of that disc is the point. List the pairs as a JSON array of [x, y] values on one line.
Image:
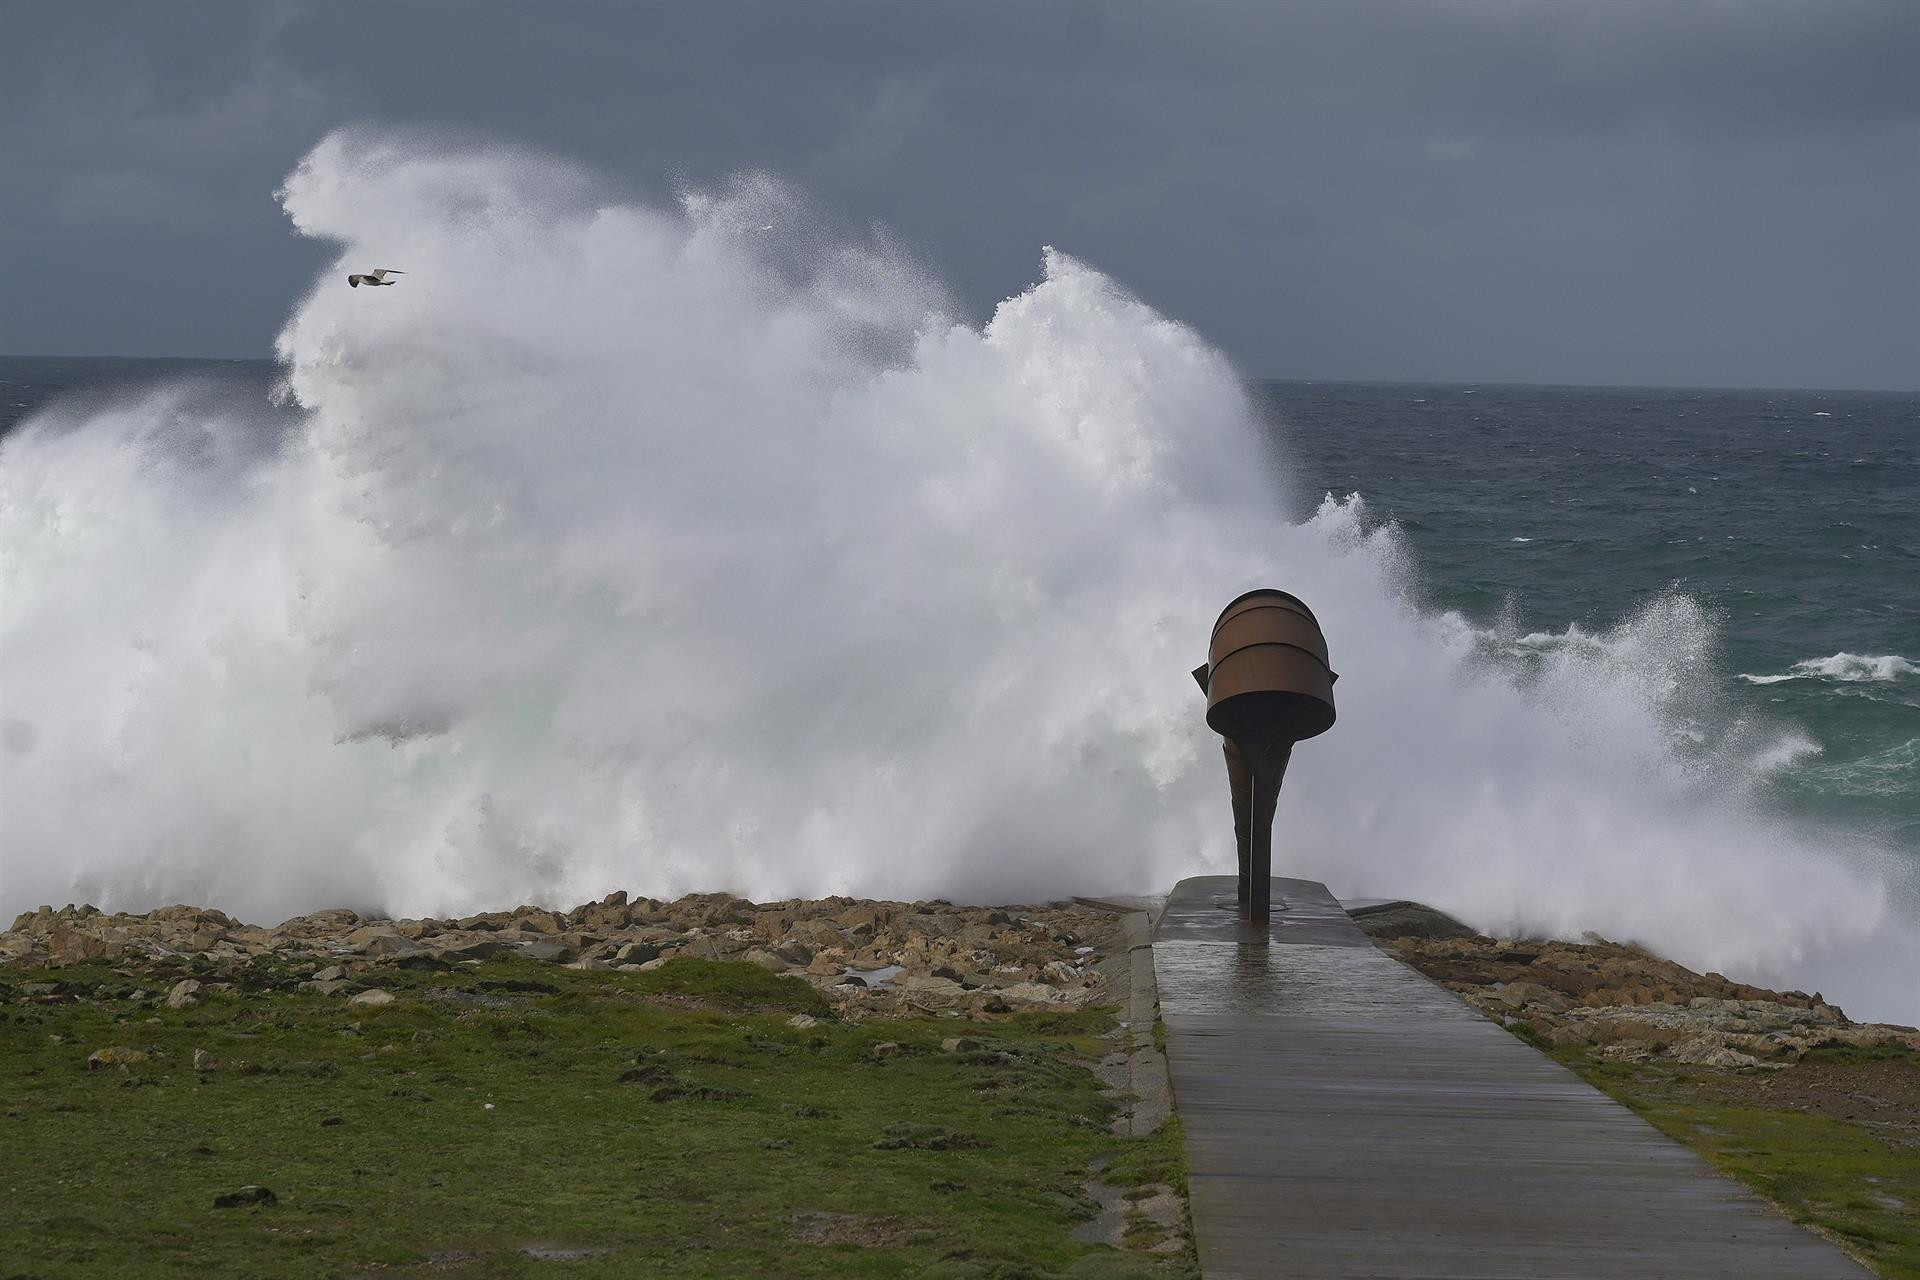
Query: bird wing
[[381, 273]]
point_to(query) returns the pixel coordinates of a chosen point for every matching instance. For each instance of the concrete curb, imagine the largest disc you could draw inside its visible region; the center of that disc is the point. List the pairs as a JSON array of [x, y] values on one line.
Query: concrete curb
[[1147, 1077], [1137, 1069]]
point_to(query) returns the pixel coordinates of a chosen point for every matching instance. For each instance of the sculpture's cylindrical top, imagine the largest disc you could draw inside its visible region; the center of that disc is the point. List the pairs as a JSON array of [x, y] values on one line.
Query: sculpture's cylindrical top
[[1267, 676]]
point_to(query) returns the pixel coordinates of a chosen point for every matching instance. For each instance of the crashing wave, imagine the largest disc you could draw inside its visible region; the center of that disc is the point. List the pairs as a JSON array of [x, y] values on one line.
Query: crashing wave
[[640, 547]]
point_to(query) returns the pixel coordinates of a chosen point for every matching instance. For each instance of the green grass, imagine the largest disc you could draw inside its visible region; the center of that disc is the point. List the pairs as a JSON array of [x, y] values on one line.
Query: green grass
[[732, 1133], [1861, 1053]]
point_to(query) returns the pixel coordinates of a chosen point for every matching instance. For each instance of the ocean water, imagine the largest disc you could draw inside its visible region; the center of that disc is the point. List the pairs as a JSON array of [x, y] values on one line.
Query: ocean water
[[677, 548], [1792, 518]]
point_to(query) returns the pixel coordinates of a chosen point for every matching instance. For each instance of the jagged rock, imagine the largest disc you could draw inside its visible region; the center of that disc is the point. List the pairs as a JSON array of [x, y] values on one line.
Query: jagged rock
[[765, 959], [72, 946], [1703, 1051], [772, 926], [204, 1061], [185, 994], [801, 1021], [373, 996], [476, 949], [485, 921], [708, 947], [538, 921], [380, 939], [602, 917], [816, 933], [1518, 994], [925, 988], [320, 924]]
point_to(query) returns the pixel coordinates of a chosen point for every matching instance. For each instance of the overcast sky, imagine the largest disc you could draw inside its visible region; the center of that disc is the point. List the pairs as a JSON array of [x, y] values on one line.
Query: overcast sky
[[1691, 192]]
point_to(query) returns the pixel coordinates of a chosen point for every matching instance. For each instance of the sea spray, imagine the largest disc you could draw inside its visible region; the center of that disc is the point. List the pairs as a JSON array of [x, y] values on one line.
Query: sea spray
[[684, 548]]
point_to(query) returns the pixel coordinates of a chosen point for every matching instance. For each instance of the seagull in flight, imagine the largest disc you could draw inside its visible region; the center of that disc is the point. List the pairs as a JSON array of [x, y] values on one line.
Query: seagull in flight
[[378, 276]]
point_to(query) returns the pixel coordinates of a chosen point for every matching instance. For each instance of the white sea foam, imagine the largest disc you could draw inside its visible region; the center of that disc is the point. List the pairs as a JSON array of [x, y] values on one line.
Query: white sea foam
[[629, 546], [1847, 667]]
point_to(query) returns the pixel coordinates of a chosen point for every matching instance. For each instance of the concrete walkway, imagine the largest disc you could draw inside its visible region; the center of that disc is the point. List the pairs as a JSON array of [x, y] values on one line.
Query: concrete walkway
[[1346, 1117]]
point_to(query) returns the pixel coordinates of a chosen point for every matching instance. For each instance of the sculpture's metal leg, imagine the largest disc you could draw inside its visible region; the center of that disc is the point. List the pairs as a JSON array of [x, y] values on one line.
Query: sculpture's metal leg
[[1240, 787], [1256, 874], [1259, 872]]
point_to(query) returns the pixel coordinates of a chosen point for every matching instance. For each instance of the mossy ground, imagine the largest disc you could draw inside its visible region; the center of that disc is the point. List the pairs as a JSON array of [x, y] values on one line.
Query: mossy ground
[[485, 1111], [1857, 1185]]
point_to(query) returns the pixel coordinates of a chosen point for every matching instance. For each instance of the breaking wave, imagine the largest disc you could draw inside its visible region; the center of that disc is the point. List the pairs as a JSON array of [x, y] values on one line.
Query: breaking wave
[[676, 548], [1849, 667]]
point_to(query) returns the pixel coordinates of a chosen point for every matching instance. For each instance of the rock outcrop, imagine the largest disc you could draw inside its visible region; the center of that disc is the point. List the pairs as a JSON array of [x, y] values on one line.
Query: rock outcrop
[[867, 957], [1624, 1002]]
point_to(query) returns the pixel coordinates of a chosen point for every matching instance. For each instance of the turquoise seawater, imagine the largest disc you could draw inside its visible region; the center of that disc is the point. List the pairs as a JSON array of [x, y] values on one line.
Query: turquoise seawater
[[1557, 515]]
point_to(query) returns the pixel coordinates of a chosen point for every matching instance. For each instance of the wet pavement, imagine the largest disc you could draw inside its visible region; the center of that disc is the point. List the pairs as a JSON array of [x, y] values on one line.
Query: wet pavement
[[1345, 1117]]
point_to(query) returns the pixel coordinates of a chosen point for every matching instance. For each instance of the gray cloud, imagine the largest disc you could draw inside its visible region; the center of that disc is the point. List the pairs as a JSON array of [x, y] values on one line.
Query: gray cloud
[[1690, 191]]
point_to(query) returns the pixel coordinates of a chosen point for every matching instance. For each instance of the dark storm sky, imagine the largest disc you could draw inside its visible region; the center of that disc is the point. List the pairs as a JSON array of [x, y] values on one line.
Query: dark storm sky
[[1695, 192]]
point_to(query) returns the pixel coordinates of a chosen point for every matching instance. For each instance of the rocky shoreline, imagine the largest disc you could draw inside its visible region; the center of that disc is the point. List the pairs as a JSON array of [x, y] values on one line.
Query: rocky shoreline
[[873, 958], [867, 958], [1621, 1002]]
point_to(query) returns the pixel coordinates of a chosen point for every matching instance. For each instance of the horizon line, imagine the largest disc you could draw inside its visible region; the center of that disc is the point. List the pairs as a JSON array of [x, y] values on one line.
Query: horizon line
[[1245, 378]]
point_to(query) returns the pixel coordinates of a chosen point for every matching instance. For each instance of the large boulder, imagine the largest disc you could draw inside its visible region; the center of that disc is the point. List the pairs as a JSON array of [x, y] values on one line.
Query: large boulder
[[1408, 920]]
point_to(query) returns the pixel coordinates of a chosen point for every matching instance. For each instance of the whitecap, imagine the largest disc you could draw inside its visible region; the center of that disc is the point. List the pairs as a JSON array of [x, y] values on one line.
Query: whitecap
[[1848, 667]]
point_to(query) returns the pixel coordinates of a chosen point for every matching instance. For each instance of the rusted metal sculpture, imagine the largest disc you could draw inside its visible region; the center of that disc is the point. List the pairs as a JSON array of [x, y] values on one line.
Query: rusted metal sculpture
[[1268, 686]]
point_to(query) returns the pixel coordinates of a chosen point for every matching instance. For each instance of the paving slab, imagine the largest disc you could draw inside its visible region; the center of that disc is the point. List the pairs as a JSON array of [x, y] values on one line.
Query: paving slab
[[1346, 1117]]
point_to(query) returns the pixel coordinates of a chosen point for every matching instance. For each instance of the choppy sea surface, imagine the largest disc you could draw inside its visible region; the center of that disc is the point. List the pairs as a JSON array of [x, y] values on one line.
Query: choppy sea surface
[[1792, 517]]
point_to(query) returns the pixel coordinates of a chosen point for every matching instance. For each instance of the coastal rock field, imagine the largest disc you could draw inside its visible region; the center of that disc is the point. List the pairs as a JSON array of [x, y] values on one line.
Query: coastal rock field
[[867, 958], [1619, 1001]]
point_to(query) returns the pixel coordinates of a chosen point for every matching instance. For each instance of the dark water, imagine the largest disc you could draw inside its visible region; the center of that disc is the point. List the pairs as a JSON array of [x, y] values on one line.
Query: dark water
[[27, 382], [1792, 517]]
